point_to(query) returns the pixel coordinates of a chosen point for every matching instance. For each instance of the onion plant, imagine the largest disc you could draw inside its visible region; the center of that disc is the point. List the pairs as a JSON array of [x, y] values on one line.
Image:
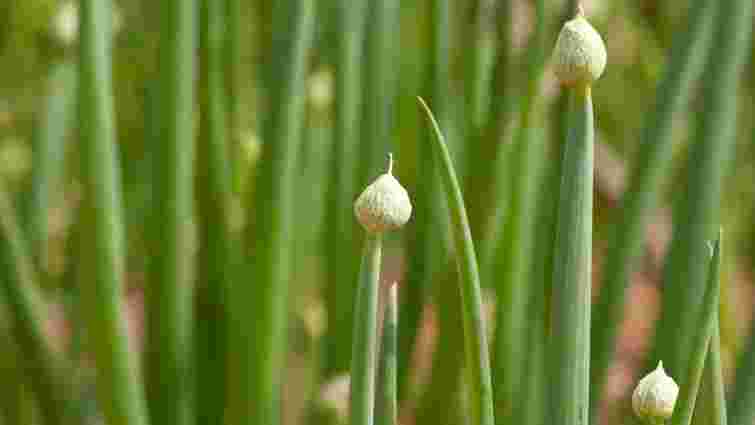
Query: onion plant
[[222, 266]]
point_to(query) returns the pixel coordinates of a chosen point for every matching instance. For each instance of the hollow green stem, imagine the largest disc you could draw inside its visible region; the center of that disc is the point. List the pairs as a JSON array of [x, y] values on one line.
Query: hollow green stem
[[514, 249], [570, 337], [261, 351], [340, 239], [118, 380], [19, 299], [652, 163], [364, 351], [216, 267], [168, 294], [696, 216], [690, 383], [387, 402]]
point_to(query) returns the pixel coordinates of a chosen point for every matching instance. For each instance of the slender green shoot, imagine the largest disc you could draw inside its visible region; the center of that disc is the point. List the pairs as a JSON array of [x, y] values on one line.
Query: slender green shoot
[[696, 216], [515, 247], [690, 383], [364, 351], [387, 402], [168, 294], [260, 328], [48, 152], [379, 84], [570, 337], [216, 268], [340, 238], [651, 164], [118, 379], [25, 313], [480, 394], [714, 368]]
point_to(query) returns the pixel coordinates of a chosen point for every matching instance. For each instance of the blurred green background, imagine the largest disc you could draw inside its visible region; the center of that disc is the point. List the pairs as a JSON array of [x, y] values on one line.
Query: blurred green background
[[38, 140]]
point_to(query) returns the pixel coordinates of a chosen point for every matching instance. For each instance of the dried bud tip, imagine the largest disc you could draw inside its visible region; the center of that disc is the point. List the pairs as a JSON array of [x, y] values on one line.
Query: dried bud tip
[[384, 204], [580, 11], [580, 53], [655, 396]]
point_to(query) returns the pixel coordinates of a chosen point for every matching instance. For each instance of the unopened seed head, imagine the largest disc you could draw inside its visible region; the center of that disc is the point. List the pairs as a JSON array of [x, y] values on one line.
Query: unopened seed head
[[655, 396], [580, 53], [384, 205]]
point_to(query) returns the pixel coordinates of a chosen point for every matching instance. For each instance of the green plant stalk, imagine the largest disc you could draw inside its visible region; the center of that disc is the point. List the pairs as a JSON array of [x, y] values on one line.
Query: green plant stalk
[[48, 153], [516, 247], [270, 233], [690, 384], [387, 402], [168, 293], [480, 394], [696, 215], [17, 407], [216, 268], [714, 369], [118, 379], [487, 150], [652, 163], [427, 245], [478, 69], [570, 336], [364, 351], [740, 407], [340, 239], [440, 400], [26, 316], [379, 85], [531, 409], [232, 67]]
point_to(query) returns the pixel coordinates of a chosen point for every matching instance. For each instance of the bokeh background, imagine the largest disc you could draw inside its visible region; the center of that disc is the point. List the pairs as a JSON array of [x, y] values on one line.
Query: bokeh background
[[424, 53]]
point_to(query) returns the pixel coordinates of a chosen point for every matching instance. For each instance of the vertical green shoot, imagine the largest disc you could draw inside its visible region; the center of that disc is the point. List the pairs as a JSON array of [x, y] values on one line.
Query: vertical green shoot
[[699, 347], [168, 293], [339, 235], [379, 84], [118, 385], [260, 328], [480, 394], [515, 247], [714, 369], [570, 338], [48, 152], [25, 314], [651, 164], [364, 351], [216, 268], [697, 213], [387, 402]]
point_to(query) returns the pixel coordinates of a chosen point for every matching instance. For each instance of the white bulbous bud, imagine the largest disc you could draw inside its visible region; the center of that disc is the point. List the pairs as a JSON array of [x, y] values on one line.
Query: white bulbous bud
[[384, 204], [655, 396], [580, 53]]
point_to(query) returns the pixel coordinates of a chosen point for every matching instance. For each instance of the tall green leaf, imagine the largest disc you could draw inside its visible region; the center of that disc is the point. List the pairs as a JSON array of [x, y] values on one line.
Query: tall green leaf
[[260, 328], [697, 212], [651, 164], [168, 292], [216, 265], [118, 386], [572, 268], [477, 363]]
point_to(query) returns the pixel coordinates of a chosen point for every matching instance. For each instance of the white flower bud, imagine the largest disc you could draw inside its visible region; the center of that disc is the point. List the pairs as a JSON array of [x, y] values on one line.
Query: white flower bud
[[655, 396], [384, 205], [580, 53]]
